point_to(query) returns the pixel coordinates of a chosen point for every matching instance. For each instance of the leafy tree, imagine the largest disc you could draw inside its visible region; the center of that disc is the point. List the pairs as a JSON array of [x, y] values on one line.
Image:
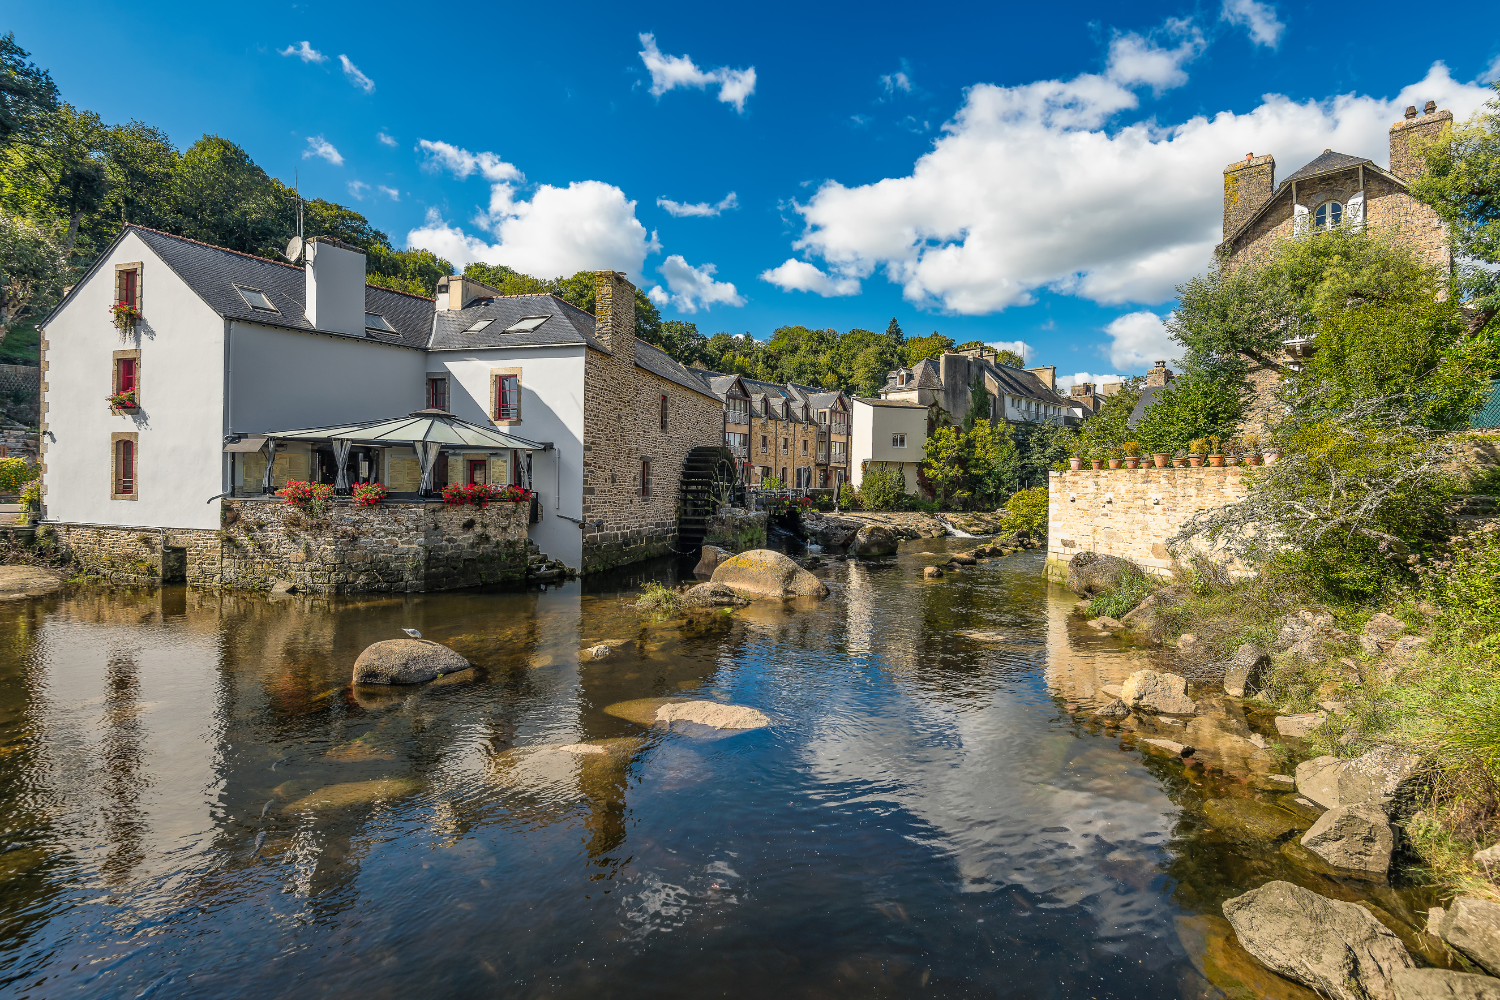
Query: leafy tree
[[1109, 427], [1462, 183], [1209, 400], [32, 264], [26, 92], [683, 341], [1041, 448], [871, 367], [1010, 358], [140, 161], [921, 348], [326, 218], [992, 462], [893, 332], [60, 174], [415, 272], [223, 198], [1027, 511], [944, 464], [882, 489]]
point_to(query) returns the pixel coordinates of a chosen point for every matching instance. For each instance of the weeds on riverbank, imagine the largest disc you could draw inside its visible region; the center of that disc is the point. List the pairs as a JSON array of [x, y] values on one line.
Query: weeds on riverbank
[[657, 598], [1132, 585]]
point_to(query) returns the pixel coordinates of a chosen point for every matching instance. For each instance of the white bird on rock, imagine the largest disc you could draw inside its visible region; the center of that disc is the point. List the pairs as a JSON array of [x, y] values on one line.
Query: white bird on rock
[[412, 632]]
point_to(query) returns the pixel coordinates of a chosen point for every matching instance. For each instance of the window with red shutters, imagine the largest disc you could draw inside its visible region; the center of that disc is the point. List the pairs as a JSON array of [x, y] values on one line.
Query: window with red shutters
[[437, 394], [125, 468], [126, 380]]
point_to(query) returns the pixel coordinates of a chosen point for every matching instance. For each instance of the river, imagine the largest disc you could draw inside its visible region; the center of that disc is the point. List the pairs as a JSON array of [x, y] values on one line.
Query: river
[[194, 802]]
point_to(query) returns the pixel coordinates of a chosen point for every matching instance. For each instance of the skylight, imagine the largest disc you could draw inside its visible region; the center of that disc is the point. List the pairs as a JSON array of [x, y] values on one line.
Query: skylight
[[378, 323], [527, 323], [479, 326], [255, 298]]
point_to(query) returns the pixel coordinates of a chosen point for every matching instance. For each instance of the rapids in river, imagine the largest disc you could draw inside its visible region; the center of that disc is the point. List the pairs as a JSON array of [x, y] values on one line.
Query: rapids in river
[[194, 802]]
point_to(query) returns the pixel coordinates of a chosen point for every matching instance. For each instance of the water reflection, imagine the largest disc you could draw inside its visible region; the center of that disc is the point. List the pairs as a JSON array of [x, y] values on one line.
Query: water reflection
[[196, 801]]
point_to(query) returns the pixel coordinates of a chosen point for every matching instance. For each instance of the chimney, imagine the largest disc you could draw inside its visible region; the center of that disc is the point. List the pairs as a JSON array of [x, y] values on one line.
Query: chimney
[[335, 275], [1409, 135], [1083, 389], [454, 291], [1159, 375], [1411, 112], [1047, 374], [1248, 184], [614, 313]]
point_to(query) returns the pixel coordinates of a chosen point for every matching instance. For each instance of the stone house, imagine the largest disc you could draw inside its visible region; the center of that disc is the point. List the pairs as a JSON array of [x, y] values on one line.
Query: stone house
[[227, 367], [796, 433], [945, 386]]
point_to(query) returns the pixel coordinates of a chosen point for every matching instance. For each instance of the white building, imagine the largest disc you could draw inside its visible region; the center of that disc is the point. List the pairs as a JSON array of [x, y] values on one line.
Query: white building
[[887, 434], [945, 385]]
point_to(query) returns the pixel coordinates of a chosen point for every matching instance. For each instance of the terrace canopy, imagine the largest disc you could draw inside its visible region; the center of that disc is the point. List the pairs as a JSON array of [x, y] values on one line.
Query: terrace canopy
[[428, 432]]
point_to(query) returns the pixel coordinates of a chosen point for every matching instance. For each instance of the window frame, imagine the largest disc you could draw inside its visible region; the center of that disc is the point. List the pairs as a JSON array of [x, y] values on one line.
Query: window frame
[[663, 411], [269, 307], [134, 357], [1321, 214], [124, 446], [645, 478], [897, 436], [132, 268], [514, 412], [432, 398]]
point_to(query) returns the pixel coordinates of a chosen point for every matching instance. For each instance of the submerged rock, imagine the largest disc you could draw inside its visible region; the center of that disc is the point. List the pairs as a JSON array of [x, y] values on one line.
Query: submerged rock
[[1472, 926], [1092, 573], [1243, 675], [875, 540], [1116, 709], [598, 652], [713, 595], [406, 661], [932, 572], [20, 582], [712, 713], [1339, 949], [351, 794], [1300, 806], [1104, 623], [1250, 816], [1442, 984], [1149, 691], [1171, 746], [1357, 837], [761, 571]]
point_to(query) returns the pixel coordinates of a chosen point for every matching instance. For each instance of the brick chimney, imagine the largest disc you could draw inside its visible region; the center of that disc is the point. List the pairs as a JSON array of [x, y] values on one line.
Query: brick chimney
[[1248, 184], [335, 286], [1414, 129], [1083, 389], [1160, 374], [614, 313]]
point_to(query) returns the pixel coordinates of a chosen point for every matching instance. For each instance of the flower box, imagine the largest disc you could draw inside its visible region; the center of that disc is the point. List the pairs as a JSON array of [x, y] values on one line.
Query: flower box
[[124, 315], [368, 494]]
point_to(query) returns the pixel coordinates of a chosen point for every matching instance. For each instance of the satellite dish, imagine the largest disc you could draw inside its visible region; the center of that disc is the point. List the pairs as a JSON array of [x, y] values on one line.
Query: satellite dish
[[294, 249]]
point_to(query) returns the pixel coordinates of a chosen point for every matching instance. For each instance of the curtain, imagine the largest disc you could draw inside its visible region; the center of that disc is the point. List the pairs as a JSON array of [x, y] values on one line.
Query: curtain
[[1354, 210], [268, 480], [427, 453], [341, 448], [1301, 223]]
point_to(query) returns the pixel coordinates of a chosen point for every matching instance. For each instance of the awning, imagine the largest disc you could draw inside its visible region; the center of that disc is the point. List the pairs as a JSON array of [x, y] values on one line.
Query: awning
[[247, 442], [424, 426]]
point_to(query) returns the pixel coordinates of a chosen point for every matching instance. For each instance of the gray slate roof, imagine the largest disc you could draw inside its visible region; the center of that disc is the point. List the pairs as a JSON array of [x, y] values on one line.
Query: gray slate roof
[[1325, 162], [1148, 396], [566, 324]]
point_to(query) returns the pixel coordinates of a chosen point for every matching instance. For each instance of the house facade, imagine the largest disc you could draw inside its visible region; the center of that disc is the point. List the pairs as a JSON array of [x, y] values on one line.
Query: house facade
[[795, 433], [945, 386], [198, 393], [888, 434]]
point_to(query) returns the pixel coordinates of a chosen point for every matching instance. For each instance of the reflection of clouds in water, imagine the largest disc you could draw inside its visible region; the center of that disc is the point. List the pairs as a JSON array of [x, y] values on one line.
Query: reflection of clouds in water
[[658, 906]]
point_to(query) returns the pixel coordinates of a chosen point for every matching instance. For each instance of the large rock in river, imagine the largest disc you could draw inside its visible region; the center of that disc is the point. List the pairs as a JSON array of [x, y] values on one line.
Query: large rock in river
[[1472, 926], [761, 571], [1441, 984], [1243, 675], [1149, 691], [1091, 573], [712, 556], [406, 661], [875, 540], [1356, 837], [1339, 949], [1387, 776]]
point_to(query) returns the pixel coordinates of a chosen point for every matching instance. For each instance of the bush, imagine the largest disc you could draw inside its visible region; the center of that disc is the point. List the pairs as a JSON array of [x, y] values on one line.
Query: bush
[[772, 483], [15, 473], [655, 597], [1133, 587], [31, 496], [1027, 510], [1467, 589], [481, 495], [368, 494], [848, 499], [882, 489]]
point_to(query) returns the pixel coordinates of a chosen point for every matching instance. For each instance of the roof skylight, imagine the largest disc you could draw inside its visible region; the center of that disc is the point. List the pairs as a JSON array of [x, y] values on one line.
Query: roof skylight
[[378, 323], [480, 325], [255, 298], [526, 324]]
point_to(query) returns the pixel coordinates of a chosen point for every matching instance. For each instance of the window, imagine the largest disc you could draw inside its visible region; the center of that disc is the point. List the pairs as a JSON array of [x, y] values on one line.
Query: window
[[739, 444], [786, 446], [126, 378], [378, 323], [479, 471], [663, 411], [255, 298], [437, 393], [763, 447], [124, 471], [804, 447], [477, 326], [840, 454], [527, 323], [1328, 215], [782, 477], [822, 416], [738, 408], [645, 477], [128, 285], [125, 375], [898, 440], [505, 393]]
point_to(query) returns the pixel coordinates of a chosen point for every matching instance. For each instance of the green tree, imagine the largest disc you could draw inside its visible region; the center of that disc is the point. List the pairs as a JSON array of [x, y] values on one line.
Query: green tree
[[32, 265], [1010, 358], [59, 175], [921, 348], [140, 161], [1207, 401], [26, 92], [992, 462], [223, 198], [871, 367], [893, 332], [1109, 427], [682, 341], [415, 272], [944, 462]]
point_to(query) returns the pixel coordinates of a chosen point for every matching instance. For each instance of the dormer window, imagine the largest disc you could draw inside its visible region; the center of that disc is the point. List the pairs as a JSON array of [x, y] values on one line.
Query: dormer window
[[375, 323], [255, 298], [527, 323], [1328, 215]]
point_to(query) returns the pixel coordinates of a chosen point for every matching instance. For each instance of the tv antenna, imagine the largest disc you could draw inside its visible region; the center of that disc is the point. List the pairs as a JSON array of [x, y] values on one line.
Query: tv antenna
[[294, 246]]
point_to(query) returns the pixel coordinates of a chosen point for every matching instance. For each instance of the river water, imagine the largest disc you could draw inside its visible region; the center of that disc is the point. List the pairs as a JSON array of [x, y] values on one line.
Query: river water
[[194, 802]]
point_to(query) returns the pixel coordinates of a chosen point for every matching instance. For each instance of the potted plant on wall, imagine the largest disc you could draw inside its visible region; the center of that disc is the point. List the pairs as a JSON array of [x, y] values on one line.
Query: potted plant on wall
[[1273, 452], [1215, 455], [1116, 456], [368, 494], [1161, 459], [1076, 462], [1180, 459], [1252, 449], [124, 315], [1197, 449], [122, 400], [1132, 451]]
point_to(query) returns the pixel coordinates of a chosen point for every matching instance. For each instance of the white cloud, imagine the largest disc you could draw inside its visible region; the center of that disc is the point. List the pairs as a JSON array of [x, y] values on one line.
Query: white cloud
[[670, 72], [357, 190], [1259, 18], [1066, 382], [693, 287], [1020, 347], [800, 276], [1492, 73], [1113, 212], [323, 149], [389, 192], [387, 140], [1136, 59], [701, 209], [588, 225], [1139, 340], [305, 52], [355, 76], [900, 81]]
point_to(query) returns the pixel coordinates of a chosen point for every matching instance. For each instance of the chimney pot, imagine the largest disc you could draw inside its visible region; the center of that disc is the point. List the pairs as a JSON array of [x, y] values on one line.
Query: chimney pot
[[1430, 108], [1249, 157], [1411, 111]]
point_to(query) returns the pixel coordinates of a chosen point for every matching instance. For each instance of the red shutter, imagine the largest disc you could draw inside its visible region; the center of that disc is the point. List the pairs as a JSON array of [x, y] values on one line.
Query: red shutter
[[125, 467], [128, 280], [127, 375]]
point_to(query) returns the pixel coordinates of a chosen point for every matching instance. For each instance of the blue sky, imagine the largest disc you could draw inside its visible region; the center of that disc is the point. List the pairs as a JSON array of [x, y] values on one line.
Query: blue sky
[[1026, 172]]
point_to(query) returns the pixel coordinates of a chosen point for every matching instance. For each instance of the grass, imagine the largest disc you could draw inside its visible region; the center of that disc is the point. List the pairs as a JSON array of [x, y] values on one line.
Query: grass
[[655, 597]]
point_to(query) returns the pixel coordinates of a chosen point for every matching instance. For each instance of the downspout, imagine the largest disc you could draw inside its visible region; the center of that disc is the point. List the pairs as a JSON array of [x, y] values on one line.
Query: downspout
[[226, 464]]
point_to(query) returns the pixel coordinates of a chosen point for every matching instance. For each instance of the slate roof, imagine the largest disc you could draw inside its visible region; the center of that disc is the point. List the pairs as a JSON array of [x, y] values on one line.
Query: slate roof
[[1148, 396], [566, 324], [659, 362], [1325, 162], [1020, 382]]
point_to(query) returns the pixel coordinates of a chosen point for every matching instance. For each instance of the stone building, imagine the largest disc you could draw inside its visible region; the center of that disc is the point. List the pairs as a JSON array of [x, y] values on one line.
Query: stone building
[[1157, 379], [945, 386], [797, 433]]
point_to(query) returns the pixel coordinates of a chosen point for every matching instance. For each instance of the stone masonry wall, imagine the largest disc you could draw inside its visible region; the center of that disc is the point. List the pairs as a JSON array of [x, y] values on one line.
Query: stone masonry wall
[[621, 425], [393, 547], [1129, 512]]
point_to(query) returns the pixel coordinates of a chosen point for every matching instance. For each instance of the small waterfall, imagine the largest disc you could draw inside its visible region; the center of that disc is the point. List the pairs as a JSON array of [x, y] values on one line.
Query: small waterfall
[[955, 532]]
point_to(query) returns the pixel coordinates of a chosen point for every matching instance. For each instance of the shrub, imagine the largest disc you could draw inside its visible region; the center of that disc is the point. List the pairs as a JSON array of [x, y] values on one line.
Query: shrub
[[772, 483], [368, 494], [15, 473], [655, 597], [848, 499], [31, 496], [1132, 586], [481, 495], [1467, 589], [299, 494], [882, 489], [1027, 510]]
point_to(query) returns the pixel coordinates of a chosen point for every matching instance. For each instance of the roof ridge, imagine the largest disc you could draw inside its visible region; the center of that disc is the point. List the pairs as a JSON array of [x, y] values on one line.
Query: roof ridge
[[211, 246], [397, 291]]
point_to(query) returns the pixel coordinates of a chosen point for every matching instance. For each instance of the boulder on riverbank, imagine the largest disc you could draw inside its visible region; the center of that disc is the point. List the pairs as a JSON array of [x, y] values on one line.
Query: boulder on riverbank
[[1442, 984], [1300, 726], [1386, 777], [1358, 838], [1243, 675], [1308, 635], [712, 713], [1339, 949], [1092, 573], [709, 560], [1149, 691], [875, 540], [1472, 926], [406, 661], [761, 571]]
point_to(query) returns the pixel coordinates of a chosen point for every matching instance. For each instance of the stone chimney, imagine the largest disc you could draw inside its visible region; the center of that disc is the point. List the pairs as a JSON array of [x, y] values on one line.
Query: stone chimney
[[454, 291], [1048, 375], [1248, 184], [1083, 389], [1413, 131], [335, 277], [1160, 374], [614, 313]]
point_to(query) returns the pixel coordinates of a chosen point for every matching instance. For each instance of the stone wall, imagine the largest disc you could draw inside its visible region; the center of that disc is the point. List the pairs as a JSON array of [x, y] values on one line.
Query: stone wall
[[1129, 512], [621, 426], [737, 530], [393, 547]]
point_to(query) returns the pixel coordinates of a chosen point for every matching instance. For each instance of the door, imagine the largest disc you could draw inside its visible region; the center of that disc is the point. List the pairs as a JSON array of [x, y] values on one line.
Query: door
[[479, 471]]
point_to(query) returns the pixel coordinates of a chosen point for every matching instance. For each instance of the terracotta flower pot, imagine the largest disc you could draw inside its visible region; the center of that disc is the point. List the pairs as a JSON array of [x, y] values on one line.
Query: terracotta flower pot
[[1075, 464], [1179, 463], [1216, 461], [1114, 463], [1272, 457], [1132, 462], [1257, 459], [1161, 459], [1196, 461], [1096, 463]]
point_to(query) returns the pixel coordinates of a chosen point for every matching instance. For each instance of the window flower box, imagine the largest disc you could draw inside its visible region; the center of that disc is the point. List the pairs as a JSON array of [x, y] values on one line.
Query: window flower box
[[300, 494], [122, 400], [481, 495], [124, 315]]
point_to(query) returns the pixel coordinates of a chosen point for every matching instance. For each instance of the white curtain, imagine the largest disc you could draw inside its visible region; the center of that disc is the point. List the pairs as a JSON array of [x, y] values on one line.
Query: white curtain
[[341, 448], [267, 480], [1354, 210], [427, 453], [1300, 220]]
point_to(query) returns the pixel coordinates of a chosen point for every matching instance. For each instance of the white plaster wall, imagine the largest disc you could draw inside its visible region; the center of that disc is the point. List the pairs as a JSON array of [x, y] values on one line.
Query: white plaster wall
[[282, 380], [871, 428], [551, 410], [181, 418]]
